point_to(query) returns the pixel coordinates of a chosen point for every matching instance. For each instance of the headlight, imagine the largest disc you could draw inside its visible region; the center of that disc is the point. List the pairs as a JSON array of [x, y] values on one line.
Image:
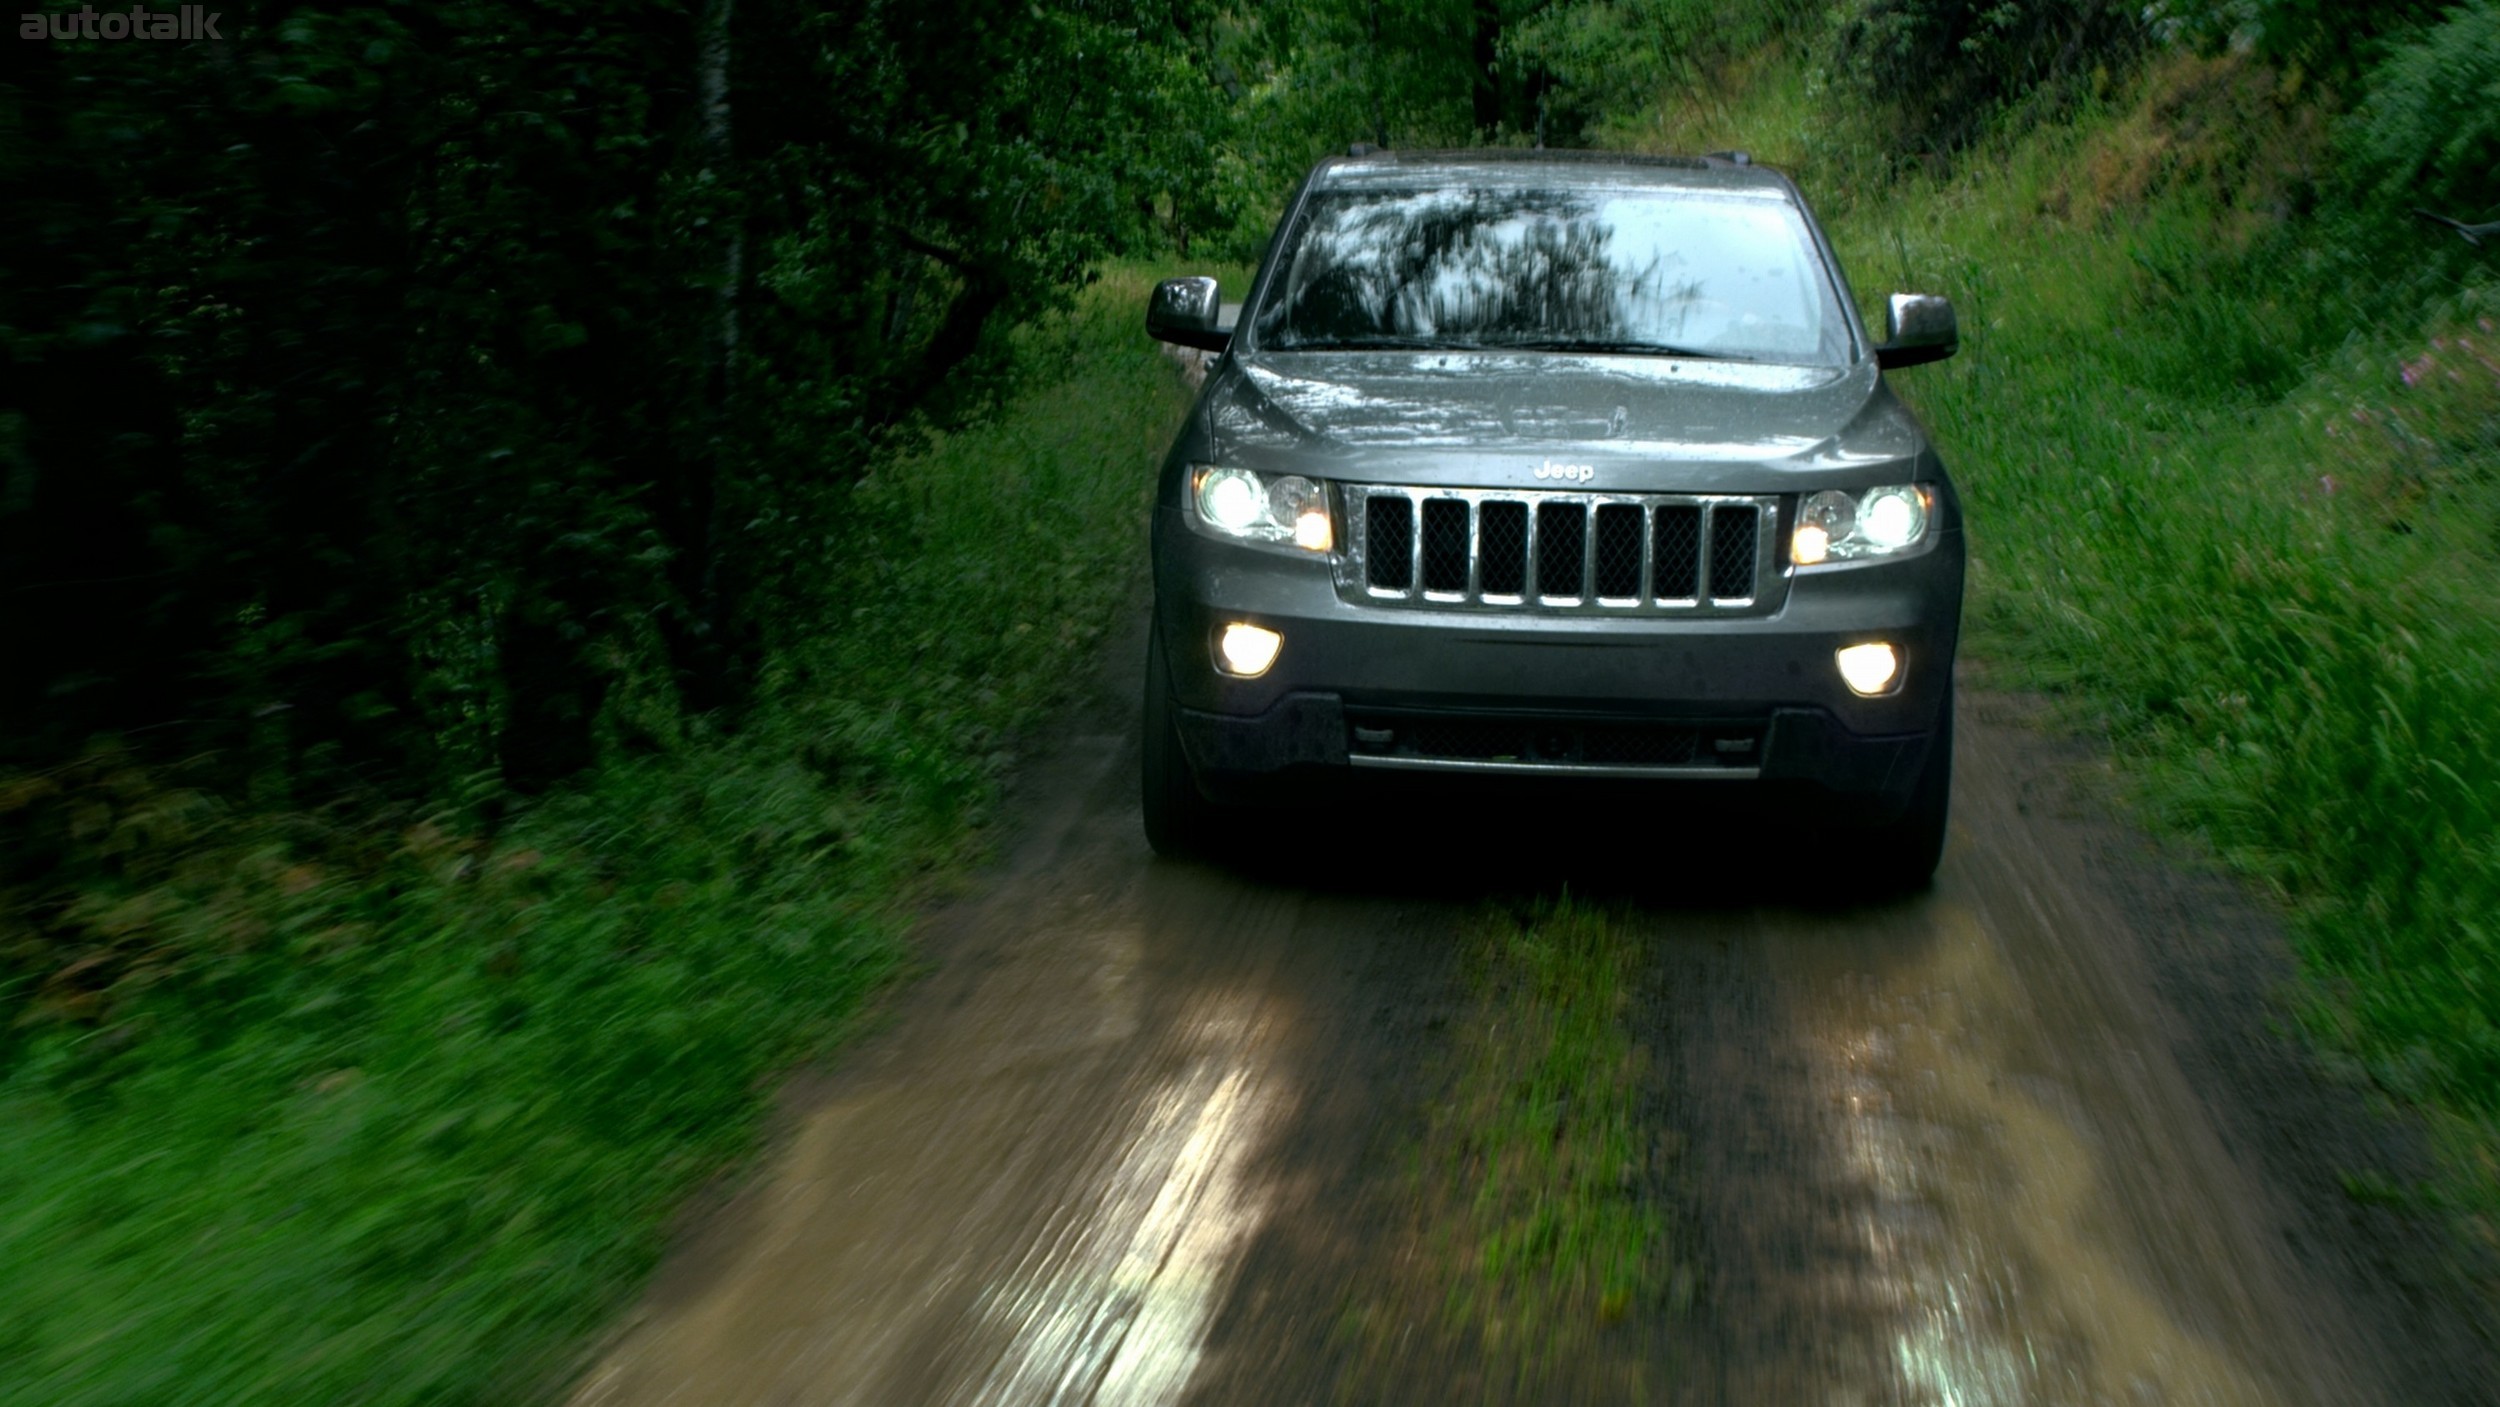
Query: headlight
[[1286, 509], [1833, 526]]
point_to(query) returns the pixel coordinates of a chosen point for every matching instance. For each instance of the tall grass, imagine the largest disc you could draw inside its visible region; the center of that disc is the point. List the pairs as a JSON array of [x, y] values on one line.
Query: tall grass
[[412, 1120], [2238, 528]]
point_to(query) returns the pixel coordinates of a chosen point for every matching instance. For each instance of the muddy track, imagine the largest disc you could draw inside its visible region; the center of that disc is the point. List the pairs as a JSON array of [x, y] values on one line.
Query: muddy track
[[1143, 1133]]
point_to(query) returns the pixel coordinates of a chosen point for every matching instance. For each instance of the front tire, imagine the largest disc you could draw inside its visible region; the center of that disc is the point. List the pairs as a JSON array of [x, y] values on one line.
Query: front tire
[[1181, 824], [1901, 856]]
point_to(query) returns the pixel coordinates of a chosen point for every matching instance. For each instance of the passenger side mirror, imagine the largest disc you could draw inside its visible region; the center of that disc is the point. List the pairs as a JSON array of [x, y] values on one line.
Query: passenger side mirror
[[1188, 312], [1918, 328]]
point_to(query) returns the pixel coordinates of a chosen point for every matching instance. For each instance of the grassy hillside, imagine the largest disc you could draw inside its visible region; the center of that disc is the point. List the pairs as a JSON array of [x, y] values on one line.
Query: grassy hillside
[[406, 1107], [2230, 471]]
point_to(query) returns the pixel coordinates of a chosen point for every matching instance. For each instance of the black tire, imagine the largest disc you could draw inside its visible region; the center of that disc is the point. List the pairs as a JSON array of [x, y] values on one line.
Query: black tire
[[1181, 823], [1900, 857]]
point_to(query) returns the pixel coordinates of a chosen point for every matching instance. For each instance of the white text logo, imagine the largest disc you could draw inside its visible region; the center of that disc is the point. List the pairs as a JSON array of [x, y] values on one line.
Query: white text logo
[[190, 22]]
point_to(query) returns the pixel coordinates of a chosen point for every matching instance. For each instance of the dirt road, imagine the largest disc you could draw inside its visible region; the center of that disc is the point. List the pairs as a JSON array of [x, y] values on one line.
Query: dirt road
[[1144, 1133]]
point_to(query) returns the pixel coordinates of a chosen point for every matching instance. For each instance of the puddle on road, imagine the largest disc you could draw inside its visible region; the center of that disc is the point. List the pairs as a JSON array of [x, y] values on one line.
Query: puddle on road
[[1114, 1308], [1041, 1199], [1986, 1220]]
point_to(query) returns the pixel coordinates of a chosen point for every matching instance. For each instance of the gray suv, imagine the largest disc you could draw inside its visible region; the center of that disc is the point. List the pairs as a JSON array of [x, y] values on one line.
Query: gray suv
[[1520, 469]]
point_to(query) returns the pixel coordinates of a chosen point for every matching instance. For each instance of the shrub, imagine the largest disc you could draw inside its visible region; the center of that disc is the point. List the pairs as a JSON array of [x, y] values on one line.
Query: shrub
[[1943, 68], [2431, 123], [2332, 37]]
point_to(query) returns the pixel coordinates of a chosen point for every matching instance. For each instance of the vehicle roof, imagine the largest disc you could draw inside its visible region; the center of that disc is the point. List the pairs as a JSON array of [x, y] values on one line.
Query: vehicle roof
[[1399, 170]]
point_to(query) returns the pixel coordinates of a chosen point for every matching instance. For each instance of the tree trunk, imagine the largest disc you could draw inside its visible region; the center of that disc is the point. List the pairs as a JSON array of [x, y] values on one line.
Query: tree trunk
[[1380, 120], [1487, 54], [714, 665]]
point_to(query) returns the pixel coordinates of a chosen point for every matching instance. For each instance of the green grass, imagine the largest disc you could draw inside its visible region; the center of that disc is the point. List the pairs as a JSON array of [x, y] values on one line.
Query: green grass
[[1535, 1219], [2241, 533], [412, 1124]]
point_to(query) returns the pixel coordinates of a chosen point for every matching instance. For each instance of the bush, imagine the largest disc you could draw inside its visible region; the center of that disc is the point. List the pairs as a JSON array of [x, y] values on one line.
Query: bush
[[2331, 37], [1608, 58], [2431, 124], [1943, 68]]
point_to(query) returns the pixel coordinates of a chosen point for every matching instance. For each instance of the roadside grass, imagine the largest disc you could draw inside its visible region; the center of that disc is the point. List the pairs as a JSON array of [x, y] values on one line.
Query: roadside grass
[[1536, 1221], [2234, 517], [401, 1114]]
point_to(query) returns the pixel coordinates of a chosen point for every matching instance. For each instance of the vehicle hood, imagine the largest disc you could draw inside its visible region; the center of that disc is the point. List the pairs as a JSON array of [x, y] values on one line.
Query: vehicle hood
[[1639, 422]]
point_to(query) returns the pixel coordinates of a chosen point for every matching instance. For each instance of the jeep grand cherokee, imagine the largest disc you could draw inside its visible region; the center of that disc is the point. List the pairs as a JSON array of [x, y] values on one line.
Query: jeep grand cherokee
[[1552, 467]]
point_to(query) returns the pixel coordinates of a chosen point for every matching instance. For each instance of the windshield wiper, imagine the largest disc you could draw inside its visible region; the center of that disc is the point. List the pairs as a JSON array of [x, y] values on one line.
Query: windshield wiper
[[1594, 345], [1379, 343], [1602, 346]]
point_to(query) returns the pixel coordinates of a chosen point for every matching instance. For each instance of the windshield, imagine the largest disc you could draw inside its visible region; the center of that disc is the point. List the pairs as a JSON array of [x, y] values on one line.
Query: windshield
[[1670, 272]]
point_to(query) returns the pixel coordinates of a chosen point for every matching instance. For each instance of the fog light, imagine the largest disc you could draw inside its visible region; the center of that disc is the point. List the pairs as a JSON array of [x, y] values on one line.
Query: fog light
[[1247, 650], [1869, 669], [1311, 530]]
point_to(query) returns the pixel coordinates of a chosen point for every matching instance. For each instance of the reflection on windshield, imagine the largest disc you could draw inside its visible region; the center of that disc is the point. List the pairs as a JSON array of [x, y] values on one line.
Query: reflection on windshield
[[1665, 271]]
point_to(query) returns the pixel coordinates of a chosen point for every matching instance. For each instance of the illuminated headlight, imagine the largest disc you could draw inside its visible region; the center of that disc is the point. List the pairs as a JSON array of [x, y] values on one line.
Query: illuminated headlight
[[1288, 510], [1833, 526]]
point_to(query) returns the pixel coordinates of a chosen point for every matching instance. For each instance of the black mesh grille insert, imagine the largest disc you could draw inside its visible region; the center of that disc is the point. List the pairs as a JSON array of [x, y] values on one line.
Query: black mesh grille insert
[[1502, 548], [1732, 549], [1445, 544], [1619, 550], [1467, 740], [1638, 746], [1389, 543], [1563, 742], [1676, 564], [1562, 531]]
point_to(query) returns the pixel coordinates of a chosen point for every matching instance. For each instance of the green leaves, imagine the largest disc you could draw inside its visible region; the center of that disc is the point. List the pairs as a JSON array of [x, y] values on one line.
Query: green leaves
[[1942, 69], [411, 328], [2431, 124]]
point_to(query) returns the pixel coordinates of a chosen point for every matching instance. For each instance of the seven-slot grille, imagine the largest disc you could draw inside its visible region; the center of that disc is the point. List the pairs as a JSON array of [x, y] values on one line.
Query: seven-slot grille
[[1600, 551]]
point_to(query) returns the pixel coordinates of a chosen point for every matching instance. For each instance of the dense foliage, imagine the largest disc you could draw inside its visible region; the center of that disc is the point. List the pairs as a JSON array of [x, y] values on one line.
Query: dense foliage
[[1942, 68], [2431, 124], [389, 384]]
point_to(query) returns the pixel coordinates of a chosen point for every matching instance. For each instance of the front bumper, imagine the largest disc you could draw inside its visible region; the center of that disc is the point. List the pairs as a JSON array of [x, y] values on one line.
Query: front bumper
[[1770, 677], [1305, 743]]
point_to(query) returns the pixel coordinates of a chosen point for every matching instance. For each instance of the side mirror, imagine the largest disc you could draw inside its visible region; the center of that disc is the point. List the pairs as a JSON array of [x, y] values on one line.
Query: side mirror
[[1188, 312], [1918, 328]]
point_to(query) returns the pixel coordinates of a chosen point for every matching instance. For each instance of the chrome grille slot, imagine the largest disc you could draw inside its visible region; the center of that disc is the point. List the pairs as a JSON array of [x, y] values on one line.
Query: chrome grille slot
[[1562, 531], [1675, 548], [1502, 549], [1732, 548], [1660, 554], [1388, 542], [1618, 559], [1445, 546]]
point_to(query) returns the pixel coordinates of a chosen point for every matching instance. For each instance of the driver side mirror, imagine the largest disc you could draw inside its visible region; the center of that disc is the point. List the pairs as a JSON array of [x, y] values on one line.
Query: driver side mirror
[[1918, 328], [1188, 312]]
